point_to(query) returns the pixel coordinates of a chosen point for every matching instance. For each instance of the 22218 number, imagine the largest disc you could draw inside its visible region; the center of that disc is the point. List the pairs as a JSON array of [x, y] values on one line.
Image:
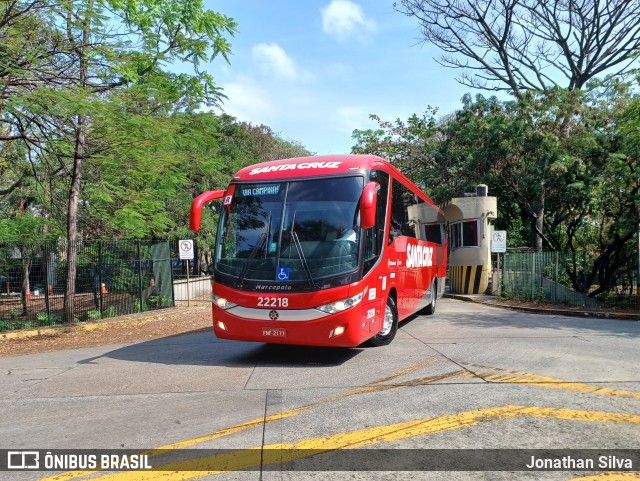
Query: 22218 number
[[273, 302]]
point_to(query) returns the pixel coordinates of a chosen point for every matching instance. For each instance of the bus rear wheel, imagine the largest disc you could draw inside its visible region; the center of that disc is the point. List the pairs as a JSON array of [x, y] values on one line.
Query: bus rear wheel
[[389, 325], [431, 308]]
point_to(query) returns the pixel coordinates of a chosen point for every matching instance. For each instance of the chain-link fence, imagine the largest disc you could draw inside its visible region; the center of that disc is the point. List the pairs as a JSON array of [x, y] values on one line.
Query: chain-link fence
[[113, 278], [560, 278]]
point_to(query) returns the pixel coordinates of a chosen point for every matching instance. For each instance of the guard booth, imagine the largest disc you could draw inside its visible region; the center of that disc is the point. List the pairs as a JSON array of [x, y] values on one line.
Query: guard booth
[[470, 229]]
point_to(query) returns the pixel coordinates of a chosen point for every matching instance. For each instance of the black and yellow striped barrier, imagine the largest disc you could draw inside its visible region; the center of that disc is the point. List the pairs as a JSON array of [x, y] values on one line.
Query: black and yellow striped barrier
[[468, 279]]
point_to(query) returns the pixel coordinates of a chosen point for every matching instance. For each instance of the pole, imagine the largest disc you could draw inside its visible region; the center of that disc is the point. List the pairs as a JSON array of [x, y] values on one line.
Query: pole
[[188, 289], [498, 262], [502, 280]]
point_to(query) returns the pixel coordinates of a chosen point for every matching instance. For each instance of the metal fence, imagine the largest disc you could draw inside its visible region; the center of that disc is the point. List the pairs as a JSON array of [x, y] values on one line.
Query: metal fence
[[113, 278], [558, 278]]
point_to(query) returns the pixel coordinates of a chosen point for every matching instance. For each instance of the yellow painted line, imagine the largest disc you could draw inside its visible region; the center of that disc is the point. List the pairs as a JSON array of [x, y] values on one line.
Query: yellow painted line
[[281, 453], [374, 386], [371, 387], [421, 365], [549, 382], [609, 477], [377, 386]]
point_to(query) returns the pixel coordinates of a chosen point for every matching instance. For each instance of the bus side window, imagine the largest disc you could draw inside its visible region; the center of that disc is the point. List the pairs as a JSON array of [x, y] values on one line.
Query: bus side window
[[374, 237], [434, 233], [401, 199]]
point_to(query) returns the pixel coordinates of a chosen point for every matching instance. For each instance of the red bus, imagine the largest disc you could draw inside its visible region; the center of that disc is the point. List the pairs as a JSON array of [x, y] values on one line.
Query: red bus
[[324, 251]]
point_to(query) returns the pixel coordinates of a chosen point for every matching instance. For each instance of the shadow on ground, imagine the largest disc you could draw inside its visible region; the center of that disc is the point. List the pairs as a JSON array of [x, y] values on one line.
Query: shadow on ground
[[203, 348]]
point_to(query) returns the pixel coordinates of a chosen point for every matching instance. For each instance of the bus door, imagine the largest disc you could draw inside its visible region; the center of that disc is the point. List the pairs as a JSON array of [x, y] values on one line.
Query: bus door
[[379, 261]]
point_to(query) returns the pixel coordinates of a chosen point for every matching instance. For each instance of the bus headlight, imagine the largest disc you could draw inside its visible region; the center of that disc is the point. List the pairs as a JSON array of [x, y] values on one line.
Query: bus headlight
[[222, 303], [342, 305]]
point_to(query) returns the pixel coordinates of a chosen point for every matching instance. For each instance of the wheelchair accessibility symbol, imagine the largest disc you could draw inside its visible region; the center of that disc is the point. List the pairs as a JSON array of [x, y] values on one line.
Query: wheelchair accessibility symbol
[[283, 274]]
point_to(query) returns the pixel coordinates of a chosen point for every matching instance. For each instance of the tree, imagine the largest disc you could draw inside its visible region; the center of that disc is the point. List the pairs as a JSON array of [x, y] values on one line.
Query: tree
[[239, 144], [103, 46], [411, 147], [29, 50], [578, 170], [266, 145], [522, 45], [526, 47], [574, 153]]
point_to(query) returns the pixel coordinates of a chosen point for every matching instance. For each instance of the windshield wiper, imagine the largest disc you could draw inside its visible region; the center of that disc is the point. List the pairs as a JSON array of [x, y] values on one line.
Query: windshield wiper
[[258, 247], [303, 259], [251, 259]]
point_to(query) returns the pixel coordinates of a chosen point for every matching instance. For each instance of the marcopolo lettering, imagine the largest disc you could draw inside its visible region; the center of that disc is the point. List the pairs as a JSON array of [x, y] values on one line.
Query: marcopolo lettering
[[419, 256], [304, 165]]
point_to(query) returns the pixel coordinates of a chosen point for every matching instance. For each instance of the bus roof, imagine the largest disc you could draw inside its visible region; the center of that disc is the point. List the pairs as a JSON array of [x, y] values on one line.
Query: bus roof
[[321, 165], [317, 165]]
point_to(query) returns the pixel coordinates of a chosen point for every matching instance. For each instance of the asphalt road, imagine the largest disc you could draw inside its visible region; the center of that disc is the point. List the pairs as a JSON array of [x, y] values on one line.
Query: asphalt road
[[471, 377]]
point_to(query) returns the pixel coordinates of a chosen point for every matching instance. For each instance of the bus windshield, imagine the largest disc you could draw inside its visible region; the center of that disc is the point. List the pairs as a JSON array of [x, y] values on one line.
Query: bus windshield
[[297, 233]]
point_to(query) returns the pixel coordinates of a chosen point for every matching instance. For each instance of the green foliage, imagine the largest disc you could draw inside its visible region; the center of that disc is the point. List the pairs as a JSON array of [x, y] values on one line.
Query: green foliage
[[45, 319], [148, 150], [6, 325], [140, 306], [564, 165], [411, 147], [156, 302], [94, 315], [96, 61]]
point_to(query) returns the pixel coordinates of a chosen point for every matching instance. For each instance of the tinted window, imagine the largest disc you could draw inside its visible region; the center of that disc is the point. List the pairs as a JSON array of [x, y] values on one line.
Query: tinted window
[[464, 234], [401, 199]]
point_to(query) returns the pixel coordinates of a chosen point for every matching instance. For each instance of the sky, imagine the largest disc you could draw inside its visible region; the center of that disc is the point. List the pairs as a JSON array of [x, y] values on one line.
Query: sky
[[314, 70]]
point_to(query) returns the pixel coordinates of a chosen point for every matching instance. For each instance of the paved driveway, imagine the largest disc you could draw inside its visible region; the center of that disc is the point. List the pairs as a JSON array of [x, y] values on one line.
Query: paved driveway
[[470, 377]]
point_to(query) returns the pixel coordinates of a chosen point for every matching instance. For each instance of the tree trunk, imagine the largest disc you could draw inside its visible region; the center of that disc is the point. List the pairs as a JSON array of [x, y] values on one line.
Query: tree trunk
[[76, 180], [72, 221], [537, 225], [26, 288]]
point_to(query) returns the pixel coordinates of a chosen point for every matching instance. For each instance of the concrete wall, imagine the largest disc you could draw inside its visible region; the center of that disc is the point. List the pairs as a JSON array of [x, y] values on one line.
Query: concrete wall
[[198, 287]]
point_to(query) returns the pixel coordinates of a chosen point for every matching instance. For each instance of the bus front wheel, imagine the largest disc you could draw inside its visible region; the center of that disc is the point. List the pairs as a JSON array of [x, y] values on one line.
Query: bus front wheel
[[389, 325]]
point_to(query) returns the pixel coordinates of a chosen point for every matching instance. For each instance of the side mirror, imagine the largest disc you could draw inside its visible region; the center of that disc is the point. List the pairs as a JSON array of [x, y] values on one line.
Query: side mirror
[[368, 205], [198, 203]]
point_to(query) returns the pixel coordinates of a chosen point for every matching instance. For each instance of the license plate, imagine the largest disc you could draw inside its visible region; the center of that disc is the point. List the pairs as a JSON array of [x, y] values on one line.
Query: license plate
[[274, 332]]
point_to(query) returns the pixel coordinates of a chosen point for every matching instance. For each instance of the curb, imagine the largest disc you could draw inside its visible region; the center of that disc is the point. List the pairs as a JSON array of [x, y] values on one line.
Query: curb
[[121, 321], [557, 312]]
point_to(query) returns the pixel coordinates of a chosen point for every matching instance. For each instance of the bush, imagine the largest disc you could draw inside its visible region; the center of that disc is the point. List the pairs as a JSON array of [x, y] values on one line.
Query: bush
[[47, 319]]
